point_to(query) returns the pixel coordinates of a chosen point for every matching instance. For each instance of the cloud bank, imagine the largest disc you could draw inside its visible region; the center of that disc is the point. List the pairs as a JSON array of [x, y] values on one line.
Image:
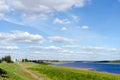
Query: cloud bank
[[38, 8], [20, 37]]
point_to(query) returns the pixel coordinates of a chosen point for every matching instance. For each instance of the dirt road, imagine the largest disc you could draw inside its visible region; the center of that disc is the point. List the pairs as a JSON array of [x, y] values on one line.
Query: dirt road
[[29, 73]]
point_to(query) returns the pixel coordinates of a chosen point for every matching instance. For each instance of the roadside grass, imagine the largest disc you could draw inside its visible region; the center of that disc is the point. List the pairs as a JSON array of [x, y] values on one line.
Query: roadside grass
[[14, 72], [62, 73], [3, 74], [33, 65]]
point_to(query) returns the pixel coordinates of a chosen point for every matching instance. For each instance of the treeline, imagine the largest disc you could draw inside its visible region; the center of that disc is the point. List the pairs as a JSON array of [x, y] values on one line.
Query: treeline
[[6, 59]]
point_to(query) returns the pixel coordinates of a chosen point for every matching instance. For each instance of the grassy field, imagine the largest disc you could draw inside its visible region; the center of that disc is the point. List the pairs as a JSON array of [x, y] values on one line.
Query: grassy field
[[61, 73], [15, 71], [3, 74]]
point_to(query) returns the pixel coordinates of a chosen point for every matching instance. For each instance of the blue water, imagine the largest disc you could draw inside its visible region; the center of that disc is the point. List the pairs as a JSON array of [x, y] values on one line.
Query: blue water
[[110, 68]]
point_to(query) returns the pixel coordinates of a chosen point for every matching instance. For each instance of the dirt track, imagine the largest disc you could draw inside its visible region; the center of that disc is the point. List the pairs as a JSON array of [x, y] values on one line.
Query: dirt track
[[31, 74]]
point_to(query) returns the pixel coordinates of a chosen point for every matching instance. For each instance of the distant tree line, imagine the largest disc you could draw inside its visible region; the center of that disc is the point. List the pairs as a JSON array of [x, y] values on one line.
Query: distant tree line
[[6, 59], [25, 60]]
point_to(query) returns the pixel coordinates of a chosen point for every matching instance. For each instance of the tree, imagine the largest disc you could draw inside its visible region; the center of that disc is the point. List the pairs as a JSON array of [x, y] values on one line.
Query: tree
[[25, 60], [7, 59], [0, 60]]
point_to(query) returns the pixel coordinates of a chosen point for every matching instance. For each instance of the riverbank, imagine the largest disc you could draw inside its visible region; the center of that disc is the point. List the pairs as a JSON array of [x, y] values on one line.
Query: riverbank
[[65, 73], [88, 69], [100, 67], [33, 71]]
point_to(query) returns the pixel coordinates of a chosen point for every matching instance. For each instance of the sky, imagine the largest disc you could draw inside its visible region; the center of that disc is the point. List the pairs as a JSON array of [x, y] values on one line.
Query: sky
[[72, 30]]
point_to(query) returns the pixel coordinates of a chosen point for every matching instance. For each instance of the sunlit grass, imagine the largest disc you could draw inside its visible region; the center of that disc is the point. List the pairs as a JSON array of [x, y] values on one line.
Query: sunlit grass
[[14, 72], [60, 73]]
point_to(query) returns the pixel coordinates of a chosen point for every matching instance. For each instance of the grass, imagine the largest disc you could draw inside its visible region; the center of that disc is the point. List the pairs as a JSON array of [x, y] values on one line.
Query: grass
[[3, 74], [14, 72], [61, 73]]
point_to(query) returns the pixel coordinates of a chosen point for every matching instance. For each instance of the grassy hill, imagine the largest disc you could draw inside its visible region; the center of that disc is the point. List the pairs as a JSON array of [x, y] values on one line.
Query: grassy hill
[[14, 72]]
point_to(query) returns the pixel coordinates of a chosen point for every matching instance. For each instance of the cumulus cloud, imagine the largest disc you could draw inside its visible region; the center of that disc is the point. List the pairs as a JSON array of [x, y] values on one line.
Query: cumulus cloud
[[75, 18], [63, 29], [85, 27], [60, 21], [30, 6], [21, 37], [93, 48], [36, 8], [9, 48], [60, 39], [3, 6], [53, 48]]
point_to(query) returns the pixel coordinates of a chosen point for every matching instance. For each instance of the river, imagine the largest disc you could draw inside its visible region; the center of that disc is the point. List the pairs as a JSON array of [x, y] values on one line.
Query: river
[[109, 68]]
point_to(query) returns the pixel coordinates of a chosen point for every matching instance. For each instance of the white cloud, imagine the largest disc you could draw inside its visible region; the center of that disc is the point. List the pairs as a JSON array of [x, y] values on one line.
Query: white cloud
[[59, 21], [9, 48], [96, 49], [71, 46], [60, 39], [75, 18], [63, 28], [33, 6], [32, 11], [3, 6], [85, 27], [1, 16], [53, 48], [21, 37], [81, 3], [36, 8]]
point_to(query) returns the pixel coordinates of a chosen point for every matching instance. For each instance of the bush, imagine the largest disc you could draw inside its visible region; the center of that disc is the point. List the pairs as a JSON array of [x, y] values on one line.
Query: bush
[[2, 71], [25, 60], [7, 59], [0, 60]]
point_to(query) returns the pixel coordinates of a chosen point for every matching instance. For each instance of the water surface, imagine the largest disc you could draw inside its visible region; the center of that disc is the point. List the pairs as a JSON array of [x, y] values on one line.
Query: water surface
[[110, 68]]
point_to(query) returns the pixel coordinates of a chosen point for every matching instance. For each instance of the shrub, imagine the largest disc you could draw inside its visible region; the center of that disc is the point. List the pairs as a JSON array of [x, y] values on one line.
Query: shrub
[[2, 71], [7, 59]]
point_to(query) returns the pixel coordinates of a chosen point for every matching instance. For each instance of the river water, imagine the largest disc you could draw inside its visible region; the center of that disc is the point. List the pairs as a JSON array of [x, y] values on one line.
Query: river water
[[109, 68]]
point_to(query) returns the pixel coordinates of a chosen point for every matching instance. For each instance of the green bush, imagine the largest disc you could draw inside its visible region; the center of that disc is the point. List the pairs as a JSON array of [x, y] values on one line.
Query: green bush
[[7, 59], [2, 71]]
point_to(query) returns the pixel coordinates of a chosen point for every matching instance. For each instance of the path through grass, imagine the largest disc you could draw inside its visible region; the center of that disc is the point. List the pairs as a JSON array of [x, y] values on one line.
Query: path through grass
[[17, 71]]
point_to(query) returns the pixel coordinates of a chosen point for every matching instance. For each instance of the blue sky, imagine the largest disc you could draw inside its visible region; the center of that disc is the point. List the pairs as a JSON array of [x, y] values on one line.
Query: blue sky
[[60, 30]]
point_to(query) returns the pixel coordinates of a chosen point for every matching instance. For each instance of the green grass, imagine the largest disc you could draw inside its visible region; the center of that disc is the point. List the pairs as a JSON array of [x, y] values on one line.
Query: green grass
[[60, 73], [3, 74], [14, 72], [33, 65]]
